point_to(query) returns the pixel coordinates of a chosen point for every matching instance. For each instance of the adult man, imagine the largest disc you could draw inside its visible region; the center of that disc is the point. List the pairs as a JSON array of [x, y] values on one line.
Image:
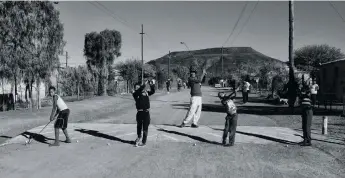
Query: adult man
[[313, 90], [61, 112], [196, 99]]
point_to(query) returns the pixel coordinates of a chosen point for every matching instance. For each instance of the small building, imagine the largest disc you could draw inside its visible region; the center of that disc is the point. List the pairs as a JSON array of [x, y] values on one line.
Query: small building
[[332, 79]]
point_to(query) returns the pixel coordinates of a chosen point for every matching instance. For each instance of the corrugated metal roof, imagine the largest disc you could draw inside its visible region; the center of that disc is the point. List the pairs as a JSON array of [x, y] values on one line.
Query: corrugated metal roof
[[339, 60]]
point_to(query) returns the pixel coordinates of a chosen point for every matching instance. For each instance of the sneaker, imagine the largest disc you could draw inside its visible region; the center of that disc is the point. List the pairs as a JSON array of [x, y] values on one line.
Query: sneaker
[[68, 140], [223, 142], [137, 141], [194, 126], [54, 144], [141, 145], [182, 125]]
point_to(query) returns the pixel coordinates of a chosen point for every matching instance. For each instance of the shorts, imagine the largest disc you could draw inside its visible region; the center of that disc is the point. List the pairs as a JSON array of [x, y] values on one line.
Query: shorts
[[62, 119]]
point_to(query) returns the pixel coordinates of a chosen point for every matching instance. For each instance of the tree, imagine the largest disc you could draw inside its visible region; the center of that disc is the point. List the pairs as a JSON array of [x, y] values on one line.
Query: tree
[[129, 70], [34, 34], [181, 72], [100, 50], [309, 57]]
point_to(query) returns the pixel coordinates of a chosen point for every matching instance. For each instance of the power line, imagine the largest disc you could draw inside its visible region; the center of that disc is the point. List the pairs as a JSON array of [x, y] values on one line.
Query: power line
[[112, 15], [336, 10], [245, 23], [239, 18]]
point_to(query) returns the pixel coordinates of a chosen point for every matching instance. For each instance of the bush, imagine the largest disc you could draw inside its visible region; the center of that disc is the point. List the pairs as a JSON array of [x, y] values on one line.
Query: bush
[[213, 81]]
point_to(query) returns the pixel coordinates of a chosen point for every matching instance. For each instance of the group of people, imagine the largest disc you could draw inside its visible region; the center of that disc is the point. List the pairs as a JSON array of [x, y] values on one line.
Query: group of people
[[141, 95]]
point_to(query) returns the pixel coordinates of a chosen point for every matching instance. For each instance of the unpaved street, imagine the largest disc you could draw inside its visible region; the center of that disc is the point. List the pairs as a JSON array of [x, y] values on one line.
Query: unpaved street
[[105, 149]]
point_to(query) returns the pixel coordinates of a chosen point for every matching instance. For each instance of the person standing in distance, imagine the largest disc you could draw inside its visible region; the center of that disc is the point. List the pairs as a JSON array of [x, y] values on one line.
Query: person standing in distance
[[307, 116], [245, 90], [168, 85], [195, 107], [61, 111]]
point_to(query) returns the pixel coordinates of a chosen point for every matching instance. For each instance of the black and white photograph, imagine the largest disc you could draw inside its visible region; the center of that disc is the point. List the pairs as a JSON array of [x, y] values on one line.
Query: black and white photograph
[[172, 89]]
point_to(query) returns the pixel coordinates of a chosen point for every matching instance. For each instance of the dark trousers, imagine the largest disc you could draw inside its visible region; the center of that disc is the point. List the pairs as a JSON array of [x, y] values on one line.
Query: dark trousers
[[230, 127], [313, 99], [245, 96], [307, 115], [143, 122]]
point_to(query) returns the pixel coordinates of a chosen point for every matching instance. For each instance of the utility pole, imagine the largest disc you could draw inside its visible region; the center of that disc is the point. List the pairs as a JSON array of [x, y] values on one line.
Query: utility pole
[[222, 64], [292, 86], [142, 53], [169, 65], [66, 58]]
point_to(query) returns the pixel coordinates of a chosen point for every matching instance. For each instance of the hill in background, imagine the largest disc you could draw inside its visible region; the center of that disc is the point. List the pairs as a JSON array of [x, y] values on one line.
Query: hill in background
[[236, 60]]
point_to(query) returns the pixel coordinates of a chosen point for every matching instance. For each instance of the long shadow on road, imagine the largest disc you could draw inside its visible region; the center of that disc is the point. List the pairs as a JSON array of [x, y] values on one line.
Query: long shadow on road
[[37, 137], [260, 110], [263, 137], [190, 136], [96, 133]]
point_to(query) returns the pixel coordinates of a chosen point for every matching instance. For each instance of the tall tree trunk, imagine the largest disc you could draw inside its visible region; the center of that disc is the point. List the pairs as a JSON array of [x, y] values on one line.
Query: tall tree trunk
[[127, 91], [15, 91], [78, 90], [30, 96], [104, 78], [38, 85], [3, 94]]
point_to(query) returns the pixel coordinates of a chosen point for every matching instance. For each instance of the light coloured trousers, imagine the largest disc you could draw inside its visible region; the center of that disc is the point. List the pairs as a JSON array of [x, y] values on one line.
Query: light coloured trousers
[[194, 110]]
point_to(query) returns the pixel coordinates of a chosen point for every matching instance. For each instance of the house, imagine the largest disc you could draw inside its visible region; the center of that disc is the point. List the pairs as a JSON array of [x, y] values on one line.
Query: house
[[331, 79]]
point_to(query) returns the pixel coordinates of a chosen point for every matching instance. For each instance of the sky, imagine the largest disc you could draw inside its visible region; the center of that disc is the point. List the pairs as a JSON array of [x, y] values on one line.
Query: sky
[[201, 25]]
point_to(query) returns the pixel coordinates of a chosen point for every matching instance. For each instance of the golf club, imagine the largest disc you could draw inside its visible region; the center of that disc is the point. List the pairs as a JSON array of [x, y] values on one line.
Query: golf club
[[38, 133]]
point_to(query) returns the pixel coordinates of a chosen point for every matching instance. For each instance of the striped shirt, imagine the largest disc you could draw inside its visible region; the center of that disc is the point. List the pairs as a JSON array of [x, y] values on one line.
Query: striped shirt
[[306, 101]]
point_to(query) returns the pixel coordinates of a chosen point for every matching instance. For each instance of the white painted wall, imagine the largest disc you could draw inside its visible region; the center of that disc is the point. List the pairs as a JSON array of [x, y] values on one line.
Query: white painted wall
[[21, 90]]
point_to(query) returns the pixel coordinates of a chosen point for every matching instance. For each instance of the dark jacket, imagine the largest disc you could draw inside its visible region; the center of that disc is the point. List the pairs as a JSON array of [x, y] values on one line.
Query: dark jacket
[[142, 101], [194, 84]]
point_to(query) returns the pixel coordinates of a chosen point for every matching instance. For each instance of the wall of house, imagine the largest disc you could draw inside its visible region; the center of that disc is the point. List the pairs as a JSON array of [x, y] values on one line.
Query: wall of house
[[332, 79]]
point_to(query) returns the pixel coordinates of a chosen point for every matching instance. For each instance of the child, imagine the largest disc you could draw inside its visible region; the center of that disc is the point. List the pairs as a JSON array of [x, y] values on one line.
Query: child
[[307, 116], [230, 119], [62, 112], [142, 102]]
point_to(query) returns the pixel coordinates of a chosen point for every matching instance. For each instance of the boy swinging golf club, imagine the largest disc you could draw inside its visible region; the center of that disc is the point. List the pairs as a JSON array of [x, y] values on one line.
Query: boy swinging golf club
[[142, 103], [230, 119], [61, 112]]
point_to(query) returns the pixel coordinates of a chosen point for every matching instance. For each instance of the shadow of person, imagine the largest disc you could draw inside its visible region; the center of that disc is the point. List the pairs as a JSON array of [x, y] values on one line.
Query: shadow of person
[[37, 137], [262, 137], [96, 133], [190, 136]]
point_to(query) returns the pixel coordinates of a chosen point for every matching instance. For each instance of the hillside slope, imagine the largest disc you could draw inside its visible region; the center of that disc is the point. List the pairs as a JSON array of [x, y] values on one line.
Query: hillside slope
[[234, 58]]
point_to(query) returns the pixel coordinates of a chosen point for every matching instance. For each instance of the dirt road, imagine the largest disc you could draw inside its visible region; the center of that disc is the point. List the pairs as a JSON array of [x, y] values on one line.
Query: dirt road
[[104, 148]]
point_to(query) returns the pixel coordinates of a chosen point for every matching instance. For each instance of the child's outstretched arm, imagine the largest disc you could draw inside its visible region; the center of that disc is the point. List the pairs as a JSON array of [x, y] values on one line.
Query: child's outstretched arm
[[152, 90], [54, 110]]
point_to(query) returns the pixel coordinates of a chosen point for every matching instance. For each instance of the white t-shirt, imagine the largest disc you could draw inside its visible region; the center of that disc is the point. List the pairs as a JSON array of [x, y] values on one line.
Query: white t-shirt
[[314, 88], [247, 86], [230, 107]]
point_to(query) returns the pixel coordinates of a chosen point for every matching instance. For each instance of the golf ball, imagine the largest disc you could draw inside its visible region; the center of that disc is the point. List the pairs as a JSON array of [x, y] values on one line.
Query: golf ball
[[77, 141], [108, 144], [26, 142], [194, 144]]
